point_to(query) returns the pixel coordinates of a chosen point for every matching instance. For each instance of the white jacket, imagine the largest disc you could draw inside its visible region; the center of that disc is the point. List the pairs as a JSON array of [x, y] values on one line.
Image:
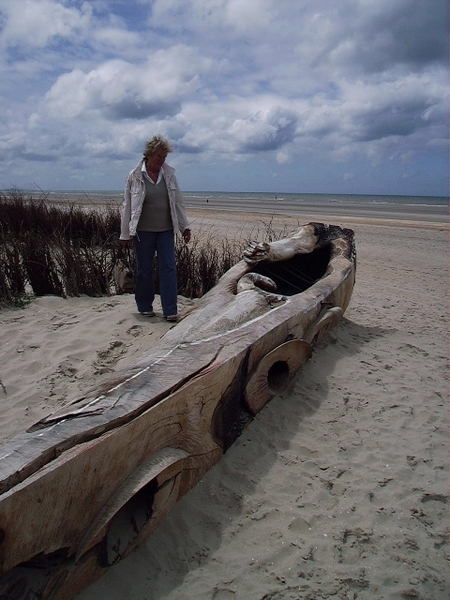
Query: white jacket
[[134, 199]]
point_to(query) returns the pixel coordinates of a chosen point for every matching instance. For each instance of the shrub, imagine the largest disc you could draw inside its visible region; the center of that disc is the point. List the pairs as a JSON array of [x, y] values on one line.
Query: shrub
[[65, 249]]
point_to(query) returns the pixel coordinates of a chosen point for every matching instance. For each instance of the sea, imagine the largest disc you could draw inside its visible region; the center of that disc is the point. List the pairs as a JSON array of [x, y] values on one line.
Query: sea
[[417, 208]]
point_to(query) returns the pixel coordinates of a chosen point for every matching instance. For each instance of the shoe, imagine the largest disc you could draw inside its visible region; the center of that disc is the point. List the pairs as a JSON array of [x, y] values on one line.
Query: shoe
[[172, 318], [148, 313]]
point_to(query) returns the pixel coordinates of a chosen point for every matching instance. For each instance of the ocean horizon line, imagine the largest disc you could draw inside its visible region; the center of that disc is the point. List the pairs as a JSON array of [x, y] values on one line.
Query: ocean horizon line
[[315, 205], [274, 194]]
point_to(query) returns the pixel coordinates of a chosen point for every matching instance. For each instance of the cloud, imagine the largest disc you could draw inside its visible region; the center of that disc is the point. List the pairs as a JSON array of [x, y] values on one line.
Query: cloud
[[37, 22], [393, 108], [264, 131], [244, 16], [397, 119], [121, 90], [398, 32], [375, 36], [116, 37], [248, 15], [242, 82]]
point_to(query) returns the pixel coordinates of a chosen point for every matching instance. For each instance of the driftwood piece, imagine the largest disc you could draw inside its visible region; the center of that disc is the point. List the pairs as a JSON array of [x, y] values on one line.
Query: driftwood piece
[[111, 466]]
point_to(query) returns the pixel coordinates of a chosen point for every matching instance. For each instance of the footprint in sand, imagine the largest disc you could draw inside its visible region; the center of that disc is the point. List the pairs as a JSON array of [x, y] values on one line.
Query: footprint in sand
[[109, 357], [135, 330]]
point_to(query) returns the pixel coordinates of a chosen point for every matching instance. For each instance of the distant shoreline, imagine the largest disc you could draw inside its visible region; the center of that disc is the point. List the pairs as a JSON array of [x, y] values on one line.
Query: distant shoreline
[[418, 209], [197, 195]]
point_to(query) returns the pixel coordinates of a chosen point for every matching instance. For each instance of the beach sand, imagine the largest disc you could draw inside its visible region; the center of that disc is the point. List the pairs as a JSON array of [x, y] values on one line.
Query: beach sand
[[339, 487]]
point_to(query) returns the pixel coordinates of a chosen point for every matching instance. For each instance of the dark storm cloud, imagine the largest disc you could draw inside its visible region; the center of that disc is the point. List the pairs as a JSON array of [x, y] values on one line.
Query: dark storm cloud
[[413, 34], [395, 119], [392, 120]]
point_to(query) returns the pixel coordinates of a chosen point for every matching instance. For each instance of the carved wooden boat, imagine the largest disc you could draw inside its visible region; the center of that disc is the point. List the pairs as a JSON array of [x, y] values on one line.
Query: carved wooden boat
[[83, 487]]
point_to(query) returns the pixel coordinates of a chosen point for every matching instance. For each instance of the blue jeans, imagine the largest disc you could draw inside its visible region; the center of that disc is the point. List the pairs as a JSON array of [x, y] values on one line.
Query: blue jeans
[[146, 243]]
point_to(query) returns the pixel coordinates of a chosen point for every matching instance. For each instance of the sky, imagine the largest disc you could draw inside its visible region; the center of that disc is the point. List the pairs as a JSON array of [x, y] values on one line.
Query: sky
[[301, 96]]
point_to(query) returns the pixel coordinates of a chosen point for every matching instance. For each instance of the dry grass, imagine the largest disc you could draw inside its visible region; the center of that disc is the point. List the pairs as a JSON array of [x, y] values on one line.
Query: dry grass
[[65, 249]]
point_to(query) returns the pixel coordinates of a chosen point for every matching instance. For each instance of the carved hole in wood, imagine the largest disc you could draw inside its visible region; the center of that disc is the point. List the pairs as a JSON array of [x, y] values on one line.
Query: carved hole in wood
[[274, 371], [140, 493], [126, 525], [231, 414], [277, 377], [296, 274]]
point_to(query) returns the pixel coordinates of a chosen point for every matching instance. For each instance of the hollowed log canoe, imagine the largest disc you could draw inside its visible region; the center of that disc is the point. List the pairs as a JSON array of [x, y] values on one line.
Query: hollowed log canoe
[[82, 488]]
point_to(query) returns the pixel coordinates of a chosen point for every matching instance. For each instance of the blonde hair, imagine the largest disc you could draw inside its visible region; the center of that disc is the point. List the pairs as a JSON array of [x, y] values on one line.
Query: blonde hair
[[156, 144]]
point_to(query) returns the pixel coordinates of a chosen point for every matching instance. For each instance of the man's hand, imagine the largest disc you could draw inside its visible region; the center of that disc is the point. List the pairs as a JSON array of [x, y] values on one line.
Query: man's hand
[[126, 243], [187, 235]]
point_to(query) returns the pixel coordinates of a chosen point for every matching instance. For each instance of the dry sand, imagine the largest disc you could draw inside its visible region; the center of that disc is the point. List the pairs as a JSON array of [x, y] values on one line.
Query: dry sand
[[337, 490]]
